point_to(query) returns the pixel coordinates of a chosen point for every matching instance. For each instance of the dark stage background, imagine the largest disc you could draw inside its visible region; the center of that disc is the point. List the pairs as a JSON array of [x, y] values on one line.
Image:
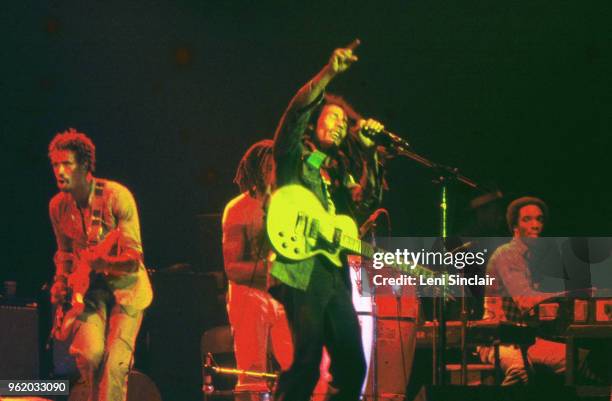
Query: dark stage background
[[172, 93]]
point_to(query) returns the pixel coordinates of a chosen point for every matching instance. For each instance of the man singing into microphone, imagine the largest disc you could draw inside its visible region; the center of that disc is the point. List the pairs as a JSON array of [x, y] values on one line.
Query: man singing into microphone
[[314, 292]]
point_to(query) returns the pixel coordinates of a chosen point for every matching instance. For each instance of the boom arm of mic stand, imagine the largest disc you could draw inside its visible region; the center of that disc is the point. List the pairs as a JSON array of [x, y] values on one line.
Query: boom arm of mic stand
[[435, 166]]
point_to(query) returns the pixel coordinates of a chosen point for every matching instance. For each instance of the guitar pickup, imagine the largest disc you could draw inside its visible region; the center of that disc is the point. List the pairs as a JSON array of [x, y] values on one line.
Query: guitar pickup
[[313, 231], [337, 236], [300, 223]]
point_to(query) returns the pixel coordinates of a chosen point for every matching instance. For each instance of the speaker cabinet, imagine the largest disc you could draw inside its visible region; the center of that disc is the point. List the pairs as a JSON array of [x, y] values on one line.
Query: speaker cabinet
[[19, 349], [393, 359]]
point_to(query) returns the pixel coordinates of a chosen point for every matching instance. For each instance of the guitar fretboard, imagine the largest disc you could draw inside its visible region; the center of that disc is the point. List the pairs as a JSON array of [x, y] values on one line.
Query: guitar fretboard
[[367, 250]]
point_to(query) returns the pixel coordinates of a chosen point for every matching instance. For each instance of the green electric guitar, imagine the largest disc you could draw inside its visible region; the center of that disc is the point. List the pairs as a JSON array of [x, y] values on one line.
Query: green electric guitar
[[299, 228]]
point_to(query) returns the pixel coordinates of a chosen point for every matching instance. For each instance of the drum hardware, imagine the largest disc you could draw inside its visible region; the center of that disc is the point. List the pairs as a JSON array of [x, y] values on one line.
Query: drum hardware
[[211, 367], [382, 326]]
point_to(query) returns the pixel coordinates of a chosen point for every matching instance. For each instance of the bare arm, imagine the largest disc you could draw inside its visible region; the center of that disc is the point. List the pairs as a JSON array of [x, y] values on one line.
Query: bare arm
[[239, 266]]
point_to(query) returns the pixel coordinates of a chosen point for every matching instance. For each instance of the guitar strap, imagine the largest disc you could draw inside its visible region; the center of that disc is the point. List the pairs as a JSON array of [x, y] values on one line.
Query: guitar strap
[[316, 160], [331, 207], [94, 228]]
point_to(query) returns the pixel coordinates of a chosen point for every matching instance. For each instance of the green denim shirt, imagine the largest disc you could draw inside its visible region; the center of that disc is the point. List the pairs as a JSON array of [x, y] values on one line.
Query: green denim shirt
[[295, 166]]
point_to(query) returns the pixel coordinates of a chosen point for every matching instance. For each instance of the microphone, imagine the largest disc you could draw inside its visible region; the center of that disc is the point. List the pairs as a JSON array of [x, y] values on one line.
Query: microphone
[[386, 138]]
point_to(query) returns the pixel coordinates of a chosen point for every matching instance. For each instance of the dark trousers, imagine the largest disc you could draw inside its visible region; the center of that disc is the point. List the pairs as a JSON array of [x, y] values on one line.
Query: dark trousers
[[323, 315]]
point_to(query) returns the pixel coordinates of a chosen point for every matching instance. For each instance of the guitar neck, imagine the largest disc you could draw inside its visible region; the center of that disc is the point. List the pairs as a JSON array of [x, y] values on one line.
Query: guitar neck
[[367, 250], [357, 246]]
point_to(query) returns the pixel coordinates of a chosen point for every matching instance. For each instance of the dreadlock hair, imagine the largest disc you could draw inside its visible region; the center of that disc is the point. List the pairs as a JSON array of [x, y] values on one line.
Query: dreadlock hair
[[352, 116], [77, 142], [356, 157], [251, 174], [512, 213], [351, 157]]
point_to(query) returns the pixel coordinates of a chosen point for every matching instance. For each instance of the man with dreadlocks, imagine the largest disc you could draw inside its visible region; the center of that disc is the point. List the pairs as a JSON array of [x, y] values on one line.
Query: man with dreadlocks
[[254, 315], [89, 210], [315, 293]]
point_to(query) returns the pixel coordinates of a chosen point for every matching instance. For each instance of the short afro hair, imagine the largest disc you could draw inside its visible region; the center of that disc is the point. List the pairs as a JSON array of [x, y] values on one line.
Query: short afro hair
[[512, 212], [79, 143]]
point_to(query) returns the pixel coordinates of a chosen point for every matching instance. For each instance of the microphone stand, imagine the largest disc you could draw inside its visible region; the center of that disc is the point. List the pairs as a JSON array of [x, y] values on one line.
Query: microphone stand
[[445, 175], [374, 356]]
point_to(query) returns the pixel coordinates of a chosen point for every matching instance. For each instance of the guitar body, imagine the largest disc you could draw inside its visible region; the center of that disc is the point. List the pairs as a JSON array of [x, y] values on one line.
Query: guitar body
[[78, 284], [299, 227]]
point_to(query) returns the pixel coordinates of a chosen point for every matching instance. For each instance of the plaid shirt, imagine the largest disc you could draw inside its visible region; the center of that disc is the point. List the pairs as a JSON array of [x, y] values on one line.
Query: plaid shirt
[[513, 295]]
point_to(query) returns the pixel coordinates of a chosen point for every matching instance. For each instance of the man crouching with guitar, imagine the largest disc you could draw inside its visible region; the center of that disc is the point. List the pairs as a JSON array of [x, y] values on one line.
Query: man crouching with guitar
[[101, 285]]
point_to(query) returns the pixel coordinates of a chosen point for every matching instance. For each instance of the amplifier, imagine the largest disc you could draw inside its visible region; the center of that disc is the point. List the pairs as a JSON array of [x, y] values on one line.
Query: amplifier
[[19, 357]]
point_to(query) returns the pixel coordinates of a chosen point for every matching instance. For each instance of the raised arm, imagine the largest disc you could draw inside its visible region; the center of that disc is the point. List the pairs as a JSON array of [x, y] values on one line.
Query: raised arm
[[288, 137]]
